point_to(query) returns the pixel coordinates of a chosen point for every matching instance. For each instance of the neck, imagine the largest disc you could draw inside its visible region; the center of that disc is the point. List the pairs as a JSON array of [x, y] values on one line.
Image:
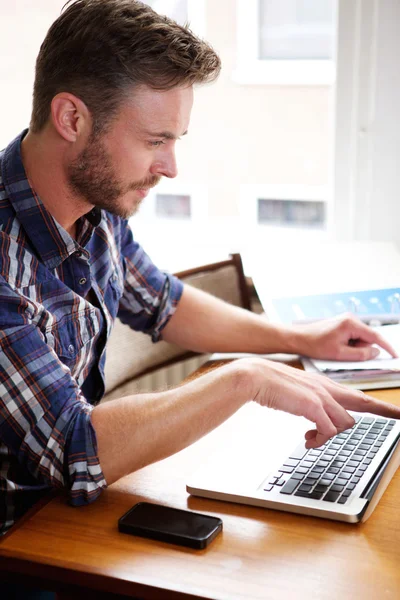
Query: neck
[[45, 157]]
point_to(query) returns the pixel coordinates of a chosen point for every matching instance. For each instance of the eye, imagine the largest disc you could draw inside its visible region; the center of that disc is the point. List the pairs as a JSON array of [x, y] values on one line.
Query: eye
[[157, 143]]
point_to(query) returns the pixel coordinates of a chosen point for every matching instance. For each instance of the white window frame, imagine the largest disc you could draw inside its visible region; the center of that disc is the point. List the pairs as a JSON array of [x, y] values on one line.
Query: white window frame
[[251, 193], [252, 70]]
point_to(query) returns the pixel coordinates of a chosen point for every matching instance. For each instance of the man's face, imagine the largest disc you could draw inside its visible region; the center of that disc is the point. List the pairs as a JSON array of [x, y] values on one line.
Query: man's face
[[116, 169]]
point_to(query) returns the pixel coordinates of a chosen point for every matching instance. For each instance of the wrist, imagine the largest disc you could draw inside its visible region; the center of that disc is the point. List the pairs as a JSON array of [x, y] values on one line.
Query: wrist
[[244, 378], [291, 339]]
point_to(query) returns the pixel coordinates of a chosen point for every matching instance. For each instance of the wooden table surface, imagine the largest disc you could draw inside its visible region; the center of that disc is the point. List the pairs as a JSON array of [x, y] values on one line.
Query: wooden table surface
[[261, 554]]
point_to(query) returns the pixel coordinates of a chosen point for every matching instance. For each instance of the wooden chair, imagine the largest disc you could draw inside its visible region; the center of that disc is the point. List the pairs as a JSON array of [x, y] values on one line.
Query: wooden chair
[[131, 355]]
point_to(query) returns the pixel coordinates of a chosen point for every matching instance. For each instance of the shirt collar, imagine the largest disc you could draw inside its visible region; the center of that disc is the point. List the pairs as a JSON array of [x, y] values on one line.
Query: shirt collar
[[51, 241]]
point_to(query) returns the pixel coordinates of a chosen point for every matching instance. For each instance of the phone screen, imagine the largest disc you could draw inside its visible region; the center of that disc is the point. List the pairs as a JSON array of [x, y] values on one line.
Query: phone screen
[[170, 525]]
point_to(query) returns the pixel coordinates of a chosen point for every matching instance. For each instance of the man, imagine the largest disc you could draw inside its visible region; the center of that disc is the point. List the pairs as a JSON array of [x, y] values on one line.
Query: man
[[113, 93]]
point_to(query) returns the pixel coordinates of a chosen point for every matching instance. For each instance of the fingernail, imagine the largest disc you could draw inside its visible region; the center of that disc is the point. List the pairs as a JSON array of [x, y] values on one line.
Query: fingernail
[[375, 352]]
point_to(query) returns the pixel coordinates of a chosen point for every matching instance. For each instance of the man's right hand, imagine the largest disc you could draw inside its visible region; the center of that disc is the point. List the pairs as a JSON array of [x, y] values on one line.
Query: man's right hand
[[313, 396]]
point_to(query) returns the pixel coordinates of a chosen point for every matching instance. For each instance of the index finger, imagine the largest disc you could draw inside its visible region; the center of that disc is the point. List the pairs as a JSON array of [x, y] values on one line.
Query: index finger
[[371, 336], [365, 403]]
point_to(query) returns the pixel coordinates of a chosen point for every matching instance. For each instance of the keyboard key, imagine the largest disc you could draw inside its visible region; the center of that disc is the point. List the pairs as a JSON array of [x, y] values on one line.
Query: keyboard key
[[291, 462], [289, 486], [343, 500], [280, 481], [348, 469], [302, 470], [284, 469], [305, 488], [318, 469], [341, 481], [316, 495], [299, 452], [345, 453], [359, 452], [331, 496], [301, 494], [309, 481], [311, 458], [268, 488], [337, 488], [307, 463], [325, 481], [365, 446], [321, 488], [298, 476], [313, 476]]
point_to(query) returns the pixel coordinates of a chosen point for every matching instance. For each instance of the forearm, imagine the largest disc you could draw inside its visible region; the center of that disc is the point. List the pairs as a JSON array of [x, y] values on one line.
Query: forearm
[[206, 324], [139, 430]]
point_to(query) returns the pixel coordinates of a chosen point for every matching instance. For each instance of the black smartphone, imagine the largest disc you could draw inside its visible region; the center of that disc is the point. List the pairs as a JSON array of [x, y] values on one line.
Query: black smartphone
[[172, 525]]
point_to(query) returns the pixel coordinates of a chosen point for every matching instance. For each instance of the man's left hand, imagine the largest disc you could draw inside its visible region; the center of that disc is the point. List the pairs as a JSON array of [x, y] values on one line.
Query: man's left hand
[[344, 339]]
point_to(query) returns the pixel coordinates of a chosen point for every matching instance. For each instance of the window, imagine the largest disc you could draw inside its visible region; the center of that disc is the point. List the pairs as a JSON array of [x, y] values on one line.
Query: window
[[173, 206], [296, 29], [182, 11], [286, 41], [308, 214], [285, 211]]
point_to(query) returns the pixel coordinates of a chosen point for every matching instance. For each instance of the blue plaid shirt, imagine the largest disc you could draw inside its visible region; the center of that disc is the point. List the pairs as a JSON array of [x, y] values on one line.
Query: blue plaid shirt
[[52, 339]]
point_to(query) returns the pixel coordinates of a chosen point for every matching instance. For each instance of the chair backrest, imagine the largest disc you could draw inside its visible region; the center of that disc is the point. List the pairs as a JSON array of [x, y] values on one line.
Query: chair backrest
[[132, 354]]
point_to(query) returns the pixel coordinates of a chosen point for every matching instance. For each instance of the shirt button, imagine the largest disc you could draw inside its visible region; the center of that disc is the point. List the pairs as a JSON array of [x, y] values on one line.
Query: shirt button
[[71, 349], [82, 280], [78, 254]]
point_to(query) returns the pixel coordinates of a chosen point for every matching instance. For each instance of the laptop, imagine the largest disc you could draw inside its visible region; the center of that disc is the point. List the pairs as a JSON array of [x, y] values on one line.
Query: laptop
[[263, 462]]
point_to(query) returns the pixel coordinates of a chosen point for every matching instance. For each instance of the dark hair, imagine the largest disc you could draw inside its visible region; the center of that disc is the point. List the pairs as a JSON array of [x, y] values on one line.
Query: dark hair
[[98, 49]]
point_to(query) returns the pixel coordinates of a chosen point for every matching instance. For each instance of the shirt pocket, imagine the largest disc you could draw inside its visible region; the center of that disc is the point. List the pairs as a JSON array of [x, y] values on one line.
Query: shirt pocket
[[73, 337]]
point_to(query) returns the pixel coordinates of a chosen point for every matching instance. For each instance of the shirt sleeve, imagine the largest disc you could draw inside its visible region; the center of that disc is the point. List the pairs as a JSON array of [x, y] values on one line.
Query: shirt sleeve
[[44, 418], [150, 297]]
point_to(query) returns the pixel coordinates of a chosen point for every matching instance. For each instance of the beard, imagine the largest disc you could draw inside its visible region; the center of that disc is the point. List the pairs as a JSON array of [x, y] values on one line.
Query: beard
[[92, 177]]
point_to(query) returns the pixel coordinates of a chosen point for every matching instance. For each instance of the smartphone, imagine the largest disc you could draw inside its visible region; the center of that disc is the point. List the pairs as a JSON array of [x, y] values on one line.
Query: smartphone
[[172, 525]]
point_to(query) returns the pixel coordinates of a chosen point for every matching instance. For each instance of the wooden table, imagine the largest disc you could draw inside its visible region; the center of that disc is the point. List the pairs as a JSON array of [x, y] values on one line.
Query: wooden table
[[261, 553]]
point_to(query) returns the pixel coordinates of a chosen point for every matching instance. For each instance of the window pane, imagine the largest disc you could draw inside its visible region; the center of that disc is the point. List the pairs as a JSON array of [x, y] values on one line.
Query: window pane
[[175, 9], [173, 206], [291, 213], [297, 29]]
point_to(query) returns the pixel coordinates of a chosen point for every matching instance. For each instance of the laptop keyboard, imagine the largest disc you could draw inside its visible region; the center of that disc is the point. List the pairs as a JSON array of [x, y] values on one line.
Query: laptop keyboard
[[332, 471]]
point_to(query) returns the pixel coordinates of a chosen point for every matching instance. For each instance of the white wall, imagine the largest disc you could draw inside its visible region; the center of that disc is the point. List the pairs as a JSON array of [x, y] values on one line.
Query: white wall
[[23, 26]]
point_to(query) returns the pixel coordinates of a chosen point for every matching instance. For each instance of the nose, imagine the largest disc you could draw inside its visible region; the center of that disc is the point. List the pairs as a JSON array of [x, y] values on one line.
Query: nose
[[165, 166]]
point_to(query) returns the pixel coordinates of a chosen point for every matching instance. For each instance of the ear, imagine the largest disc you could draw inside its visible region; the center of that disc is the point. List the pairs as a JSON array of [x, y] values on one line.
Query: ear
[[70, 116]]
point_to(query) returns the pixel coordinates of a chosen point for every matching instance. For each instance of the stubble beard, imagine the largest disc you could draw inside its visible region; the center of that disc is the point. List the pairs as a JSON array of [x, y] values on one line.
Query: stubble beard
[[92, 176]]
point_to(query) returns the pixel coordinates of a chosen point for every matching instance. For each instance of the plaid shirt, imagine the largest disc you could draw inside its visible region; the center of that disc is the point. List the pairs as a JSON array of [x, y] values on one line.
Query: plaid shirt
[[52, 340]]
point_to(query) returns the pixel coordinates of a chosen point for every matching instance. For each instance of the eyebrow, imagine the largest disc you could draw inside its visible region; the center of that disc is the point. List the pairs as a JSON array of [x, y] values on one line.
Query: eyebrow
[[164, 134]]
